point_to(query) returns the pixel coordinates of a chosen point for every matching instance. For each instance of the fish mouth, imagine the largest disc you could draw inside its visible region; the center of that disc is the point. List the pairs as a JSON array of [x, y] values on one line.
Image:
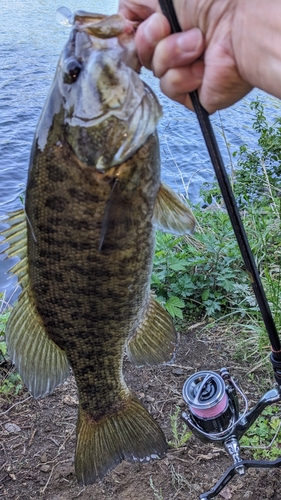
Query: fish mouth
[[92, 121]]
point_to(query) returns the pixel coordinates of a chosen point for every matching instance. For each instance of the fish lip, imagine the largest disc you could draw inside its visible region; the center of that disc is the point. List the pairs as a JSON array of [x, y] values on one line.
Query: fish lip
[[84, 119]]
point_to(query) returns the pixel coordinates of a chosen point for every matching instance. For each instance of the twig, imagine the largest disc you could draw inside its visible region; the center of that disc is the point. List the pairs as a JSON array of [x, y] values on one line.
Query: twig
[[178, 458], [180, 366], [32, 437], [80, 492], [54, 441], [15, 404], [196, 325], [46, 485]]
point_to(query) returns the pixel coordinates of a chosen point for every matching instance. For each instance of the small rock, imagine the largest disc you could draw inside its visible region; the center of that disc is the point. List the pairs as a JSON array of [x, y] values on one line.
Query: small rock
[[70, 401], [149, 399], [43, 458], [247, 495], [10, 427], [13, 477], [45, 468], [181, 403], [226, 493], [197, 487], [177, 371]]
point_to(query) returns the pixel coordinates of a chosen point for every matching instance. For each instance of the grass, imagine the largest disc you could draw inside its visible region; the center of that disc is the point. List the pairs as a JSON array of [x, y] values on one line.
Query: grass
[[10, 381], [4, 315], [204, 275]]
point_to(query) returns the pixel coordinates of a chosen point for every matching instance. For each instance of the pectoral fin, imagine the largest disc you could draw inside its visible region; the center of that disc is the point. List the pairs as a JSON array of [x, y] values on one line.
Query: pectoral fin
[[117, 219], [171, 214], [40, 362], [155, 341]]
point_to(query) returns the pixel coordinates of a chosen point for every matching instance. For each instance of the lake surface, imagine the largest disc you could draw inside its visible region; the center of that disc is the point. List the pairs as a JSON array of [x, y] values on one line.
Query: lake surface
[[30, 44]]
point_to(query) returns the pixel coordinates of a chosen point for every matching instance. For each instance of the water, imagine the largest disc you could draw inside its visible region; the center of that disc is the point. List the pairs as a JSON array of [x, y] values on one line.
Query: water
[[30, 44]]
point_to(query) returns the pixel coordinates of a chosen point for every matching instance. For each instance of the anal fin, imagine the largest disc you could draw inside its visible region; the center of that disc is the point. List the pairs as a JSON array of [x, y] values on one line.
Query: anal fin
[[128, 432], [155, 341], [40, 362]]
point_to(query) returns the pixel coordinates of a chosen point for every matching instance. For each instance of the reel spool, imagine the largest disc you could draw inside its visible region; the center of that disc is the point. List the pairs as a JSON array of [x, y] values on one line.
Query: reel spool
[[212, 404]]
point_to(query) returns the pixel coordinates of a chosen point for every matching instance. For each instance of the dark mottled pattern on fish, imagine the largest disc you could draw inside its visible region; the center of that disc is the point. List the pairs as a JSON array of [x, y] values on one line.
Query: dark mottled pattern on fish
[[111, 276]]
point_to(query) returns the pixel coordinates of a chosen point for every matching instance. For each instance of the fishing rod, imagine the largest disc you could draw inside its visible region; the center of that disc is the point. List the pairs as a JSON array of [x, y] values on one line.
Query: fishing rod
[[212, 399]]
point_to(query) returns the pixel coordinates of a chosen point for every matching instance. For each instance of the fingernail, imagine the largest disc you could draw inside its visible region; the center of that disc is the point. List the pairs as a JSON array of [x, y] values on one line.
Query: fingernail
[[190, 41]]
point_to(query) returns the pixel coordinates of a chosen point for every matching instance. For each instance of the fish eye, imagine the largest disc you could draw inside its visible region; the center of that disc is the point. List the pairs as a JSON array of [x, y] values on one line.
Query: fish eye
[[72, 70]]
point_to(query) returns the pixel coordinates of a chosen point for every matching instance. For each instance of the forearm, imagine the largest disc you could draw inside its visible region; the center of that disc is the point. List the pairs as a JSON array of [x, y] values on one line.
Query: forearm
[[256, 38]]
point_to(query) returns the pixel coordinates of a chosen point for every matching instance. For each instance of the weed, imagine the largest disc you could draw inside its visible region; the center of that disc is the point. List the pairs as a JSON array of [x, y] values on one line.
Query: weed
[[4, 316], [266, 429], [10, 381], [157, 493], [200, 274], [179, 430], [11, 384], [178, 480]]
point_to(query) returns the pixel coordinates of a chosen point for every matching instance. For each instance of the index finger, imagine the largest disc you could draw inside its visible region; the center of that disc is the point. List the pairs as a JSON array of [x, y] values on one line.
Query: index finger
[[149, 34]]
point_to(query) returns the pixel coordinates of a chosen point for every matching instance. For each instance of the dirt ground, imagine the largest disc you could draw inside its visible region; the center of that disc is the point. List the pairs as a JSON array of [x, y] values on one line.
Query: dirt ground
[[37, 451]]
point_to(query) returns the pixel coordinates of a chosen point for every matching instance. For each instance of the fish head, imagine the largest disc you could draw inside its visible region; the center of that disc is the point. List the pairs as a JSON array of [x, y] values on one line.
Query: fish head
[[97, 84]]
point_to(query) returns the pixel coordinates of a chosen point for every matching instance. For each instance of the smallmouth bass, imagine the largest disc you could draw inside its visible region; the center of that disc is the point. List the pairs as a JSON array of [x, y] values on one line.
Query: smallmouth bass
[[86, 242]]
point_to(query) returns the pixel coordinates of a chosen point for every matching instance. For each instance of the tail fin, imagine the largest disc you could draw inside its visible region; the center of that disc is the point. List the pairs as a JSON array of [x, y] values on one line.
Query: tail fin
[[129, 433]]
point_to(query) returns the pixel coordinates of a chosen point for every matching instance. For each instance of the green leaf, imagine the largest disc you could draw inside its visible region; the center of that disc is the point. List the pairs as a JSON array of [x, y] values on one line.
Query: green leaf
[[176, 302], [205, 295], [3, 348], [179, 266], [174, 306]]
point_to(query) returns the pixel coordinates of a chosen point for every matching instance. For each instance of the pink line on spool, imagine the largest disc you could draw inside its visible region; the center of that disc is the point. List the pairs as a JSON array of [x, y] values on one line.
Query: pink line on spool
[[215, 411]]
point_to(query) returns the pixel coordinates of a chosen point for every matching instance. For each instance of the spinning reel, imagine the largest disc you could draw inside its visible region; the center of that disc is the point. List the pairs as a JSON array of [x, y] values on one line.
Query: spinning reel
[[214, 417]]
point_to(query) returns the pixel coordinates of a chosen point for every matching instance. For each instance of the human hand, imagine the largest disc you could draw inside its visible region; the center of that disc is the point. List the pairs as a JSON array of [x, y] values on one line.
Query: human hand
[[187, 61], [201, 57]]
